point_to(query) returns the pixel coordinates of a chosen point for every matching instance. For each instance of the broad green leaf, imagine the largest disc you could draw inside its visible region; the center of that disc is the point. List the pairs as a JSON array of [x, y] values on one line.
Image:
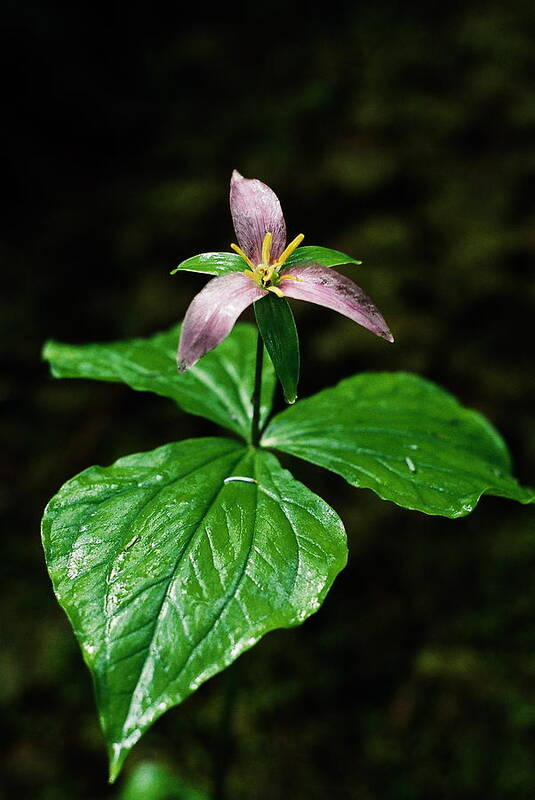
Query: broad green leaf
[[403, 437], [321, 255], [219, 386], [152, 781], [277, 326], [212, 264], [171, 563]]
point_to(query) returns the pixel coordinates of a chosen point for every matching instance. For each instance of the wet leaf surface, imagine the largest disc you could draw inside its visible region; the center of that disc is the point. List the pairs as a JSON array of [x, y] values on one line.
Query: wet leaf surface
[[171, 563], [403, 437]]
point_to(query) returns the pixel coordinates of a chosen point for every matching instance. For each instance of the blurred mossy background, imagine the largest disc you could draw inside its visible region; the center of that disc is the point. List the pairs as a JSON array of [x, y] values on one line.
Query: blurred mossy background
[[403, 134]]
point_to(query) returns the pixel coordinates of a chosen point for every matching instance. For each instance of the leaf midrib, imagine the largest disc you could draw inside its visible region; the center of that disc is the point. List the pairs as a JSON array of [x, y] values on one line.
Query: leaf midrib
[[171, 575], [136, 512]]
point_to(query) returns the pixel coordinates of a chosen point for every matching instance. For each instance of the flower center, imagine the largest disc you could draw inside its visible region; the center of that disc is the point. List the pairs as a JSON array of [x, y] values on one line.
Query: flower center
[[267, 273]]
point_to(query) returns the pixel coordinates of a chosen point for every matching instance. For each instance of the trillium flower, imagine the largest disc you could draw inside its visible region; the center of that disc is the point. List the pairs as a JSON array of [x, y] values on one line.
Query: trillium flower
[[261, 263]]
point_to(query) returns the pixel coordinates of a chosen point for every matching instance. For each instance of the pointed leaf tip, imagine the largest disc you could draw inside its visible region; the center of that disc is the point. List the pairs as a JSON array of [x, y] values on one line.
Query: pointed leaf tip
[[324, 256], [191, 570], [404, 438], [211, 264], [150, 365], [277, 327]]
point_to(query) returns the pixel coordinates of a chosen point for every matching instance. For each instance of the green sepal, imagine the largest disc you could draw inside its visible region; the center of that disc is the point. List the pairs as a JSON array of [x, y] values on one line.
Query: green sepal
[[212, 264], [277, 327], [171, 563], [320, 255], [403, 437]]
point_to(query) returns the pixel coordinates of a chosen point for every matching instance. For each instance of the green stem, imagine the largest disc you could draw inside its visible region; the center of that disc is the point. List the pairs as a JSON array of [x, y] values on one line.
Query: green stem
[[257, 393], [224, 738]]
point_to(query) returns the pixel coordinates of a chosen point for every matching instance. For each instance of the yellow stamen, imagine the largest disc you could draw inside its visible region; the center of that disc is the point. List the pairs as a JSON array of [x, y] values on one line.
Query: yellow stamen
[[275, 290], [250, 275], [287, 252], [266, 248], [290, 278], [240, 252]]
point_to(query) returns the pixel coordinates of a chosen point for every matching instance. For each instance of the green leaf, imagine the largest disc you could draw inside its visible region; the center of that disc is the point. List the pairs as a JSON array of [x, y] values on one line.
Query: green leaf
[[152, 781], [321, 255], [219, 386], [171, 563], [403, 437], [212, 264], [277, 327]]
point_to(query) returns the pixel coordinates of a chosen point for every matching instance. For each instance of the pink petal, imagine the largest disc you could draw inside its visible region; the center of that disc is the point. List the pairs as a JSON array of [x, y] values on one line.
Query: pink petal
[[256, 210], [212, 313], [326, 287]]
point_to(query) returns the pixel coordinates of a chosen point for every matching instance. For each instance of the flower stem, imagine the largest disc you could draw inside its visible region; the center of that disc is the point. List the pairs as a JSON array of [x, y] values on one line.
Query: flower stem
[[257, 393]]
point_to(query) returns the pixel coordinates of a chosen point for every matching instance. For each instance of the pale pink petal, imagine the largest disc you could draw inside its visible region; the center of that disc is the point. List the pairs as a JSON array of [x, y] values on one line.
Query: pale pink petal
[[256, 210], [212, 313], [326, 287]]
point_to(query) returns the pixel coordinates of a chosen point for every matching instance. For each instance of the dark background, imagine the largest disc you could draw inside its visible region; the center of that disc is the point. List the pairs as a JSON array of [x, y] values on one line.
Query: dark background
[[401, 134]]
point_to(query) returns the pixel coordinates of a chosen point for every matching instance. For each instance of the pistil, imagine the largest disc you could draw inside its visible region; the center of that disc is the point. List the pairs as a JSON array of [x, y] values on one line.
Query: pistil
[[266, 274]]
